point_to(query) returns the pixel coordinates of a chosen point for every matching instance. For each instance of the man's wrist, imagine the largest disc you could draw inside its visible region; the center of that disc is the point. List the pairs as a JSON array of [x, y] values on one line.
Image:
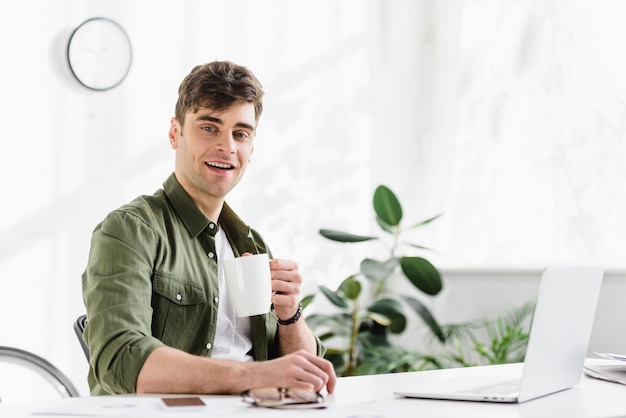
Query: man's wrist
[[289, 321]]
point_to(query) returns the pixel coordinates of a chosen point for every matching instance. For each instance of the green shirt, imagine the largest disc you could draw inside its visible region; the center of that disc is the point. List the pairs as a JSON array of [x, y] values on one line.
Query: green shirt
[[151, 280]]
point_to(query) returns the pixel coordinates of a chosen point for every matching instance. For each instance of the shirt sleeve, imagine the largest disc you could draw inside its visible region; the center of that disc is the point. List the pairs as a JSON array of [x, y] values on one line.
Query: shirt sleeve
[[117, 291]]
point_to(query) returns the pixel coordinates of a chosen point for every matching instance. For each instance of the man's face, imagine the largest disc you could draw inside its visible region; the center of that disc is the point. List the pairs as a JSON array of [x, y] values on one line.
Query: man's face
[[213, 149]]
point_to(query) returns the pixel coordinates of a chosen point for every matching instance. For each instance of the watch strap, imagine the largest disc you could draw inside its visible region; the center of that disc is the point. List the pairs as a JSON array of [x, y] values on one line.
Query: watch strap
[[291, 320]]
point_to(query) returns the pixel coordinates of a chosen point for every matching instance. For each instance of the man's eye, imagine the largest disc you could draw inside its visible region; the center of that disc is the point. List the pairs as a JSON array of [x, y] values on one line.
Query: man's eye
[[242, 135], [209, 128]]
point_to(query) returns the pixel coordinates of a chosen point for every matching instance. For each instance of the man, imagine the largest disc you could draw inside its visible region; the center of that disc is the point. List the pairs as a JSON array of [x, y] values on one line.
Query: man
[[153, 286]]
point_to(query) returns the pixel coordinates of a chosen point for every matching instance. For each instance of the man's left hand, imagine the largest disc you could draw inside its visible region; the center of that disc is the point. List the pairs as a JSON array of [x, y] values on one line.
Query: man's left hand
[[286, 284]]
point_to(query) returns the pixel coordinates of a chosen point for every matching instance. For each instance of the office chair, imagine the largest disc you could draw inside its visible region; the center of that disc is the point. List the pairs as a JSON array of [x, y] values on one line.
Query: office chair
[[79, 329], [42, 367]]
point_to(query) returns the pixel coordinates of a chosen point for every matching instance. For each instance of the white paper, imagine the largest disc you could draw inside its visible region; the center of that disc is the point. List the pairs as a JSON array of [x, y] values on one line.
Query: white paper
[[139, 406], [609, 372], [611, 356]]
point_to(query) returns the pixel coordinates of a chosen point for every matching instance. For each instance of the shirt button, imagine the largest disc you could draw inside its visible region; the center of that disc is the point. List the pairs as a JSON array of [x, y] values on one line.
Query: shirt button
[[211, 225], [208, 346], [216, 299], [211, 254], [178, 296]]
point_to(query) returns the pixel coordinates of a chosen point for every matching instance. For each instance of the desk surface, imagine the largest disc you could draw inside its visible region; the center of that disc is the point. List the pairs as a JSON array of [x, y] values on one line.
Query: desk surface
[[361, 396]]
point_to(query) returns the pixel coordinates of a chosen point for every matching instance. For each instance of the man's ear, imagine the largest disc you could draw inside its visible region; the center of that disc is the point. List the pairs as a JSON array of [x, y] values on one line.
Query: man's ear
[[173, 134]]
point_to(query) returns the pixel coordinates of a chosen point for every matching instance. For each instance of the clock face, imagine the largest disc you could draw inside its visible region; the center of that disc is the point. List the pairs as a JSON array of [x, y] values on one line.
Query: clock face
[[99, 53]]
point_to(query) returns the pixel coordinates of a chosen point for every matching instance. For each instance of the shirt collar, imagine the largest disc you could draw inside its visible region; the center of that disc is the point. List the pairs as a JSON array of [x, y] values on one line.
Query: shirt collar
[[192, 217], [195, 221]]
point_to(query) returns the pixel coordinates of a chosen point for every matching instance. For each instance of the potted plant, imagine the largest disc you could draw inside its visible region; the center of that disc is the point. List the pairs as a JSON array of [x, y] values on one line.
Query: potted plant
[[369, 311], [498, 341], [475, 343]]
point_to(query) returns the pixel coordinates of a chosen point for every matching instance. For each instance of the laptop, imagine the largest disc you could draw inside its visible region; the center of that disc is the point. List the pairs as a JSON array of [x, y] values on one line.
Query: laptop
[[557, 346]]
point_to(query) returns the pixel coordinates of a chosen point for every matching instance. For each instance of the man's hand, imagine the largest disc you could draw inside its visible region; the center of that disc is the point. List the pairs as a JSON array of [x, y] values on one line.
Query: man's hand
[[286, 285], [300, 369]]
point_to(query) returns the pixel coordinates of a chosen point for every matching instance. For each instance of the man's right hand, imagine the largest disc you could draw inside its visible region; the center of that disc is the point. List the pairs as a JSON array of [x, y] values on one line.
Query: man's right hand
[[299, 369]]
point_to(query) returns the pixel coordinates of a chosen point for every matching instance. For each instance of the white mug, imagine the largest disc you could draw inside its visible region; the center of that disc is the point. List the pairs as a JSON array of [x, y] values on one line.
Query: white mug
[[249, 284]]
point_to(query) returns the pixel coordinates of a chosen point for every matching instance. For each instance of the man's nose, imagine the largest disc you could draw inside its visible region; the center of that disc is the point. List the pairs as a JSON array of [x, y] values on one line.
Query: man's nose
[[226, 142]]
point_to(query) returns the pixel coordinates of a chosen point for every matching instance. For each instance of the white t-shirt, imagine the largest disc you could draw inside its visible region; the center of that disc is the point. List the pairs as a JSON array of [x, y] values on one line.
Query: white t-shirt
[[233, 336]]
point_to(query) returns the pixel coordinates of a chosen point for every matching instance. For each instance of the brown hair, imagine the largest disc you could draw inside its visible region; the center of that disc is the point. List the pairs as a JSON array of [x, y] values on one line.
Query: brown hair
[[218, 85]]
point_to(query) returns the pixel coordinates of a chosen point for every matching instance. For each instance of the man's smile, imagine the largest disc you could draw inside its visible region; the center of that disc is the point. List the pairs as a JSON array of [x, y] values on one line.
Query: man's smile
[[223, 166]]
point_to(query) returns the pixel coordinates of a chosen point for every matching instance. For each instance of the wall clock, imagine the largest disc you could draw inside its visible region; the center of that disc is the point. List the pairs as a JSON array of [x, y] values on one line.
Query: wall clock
[[99, 53]]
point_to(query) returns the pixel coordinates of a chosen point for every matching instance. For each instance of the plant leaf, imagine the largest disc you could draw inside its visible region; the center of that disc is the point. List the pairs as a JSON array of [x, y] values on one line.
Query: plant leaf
[[384, 225], [338, 323], [387, 206], [422, 274], [386, 306], [427, 221], [376, 336], [326, 336], [381, 319], [420, 247], [389, 313], [340, 236], [305, 301], [398, 323], [334, 297], [378, 271], [351, 288], [392, 310], [426, 316]]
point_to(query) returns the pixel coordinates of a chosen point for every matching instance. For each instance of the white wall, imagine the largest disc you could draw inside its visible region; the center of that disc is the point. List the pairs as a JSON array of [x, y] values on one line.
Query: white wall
[[357, 95]]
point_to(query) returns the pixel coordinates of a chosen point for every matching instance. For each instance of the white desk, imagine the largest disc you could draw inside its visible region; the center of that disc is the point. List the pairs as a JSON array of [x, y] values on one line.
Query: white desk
[[370, 396]]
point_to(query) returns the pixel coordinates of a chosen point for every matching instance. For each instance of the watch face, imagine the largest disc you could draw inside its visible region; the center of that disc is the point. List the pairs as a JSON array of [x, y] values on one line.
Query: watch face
[[99, 53]]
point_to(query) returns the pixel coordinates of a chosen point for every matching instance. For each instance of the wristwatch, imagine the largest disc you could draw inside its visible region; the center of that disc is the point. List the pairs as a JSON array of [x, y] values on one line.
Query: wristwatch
[[290, 321]]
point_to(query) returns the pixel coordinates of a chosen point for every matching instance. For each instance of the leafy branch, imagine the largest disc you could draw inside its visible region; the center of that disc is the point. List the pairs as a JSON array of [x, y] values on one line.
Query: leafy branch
[[366, 324]]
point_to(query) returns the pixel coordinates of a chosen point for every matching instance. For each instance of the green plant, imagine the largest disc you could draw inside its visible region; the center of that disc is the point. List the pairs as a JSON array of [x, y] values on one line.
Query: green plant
[[368, 310], [506, 340], [499, 341]]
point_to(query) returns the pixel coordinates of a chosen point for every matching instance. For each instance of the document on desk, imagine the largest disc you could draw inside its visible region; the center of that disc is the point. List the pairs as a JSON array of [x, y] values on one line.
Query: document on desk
[[153, 406], [608, 372], [611, 356], [138, 406]]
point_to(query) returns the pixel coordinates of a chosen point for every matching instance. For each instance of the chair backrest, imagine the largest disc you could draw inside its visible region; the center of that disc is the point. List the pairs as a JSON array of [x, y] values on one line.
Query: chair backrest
[[79, 329], [42, 367]]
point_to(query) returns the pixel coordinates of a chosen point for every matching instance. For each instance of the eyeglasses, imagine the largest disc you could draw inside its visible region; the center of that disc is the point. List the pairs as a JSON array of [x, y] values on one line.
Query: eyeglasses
[[286, 398]]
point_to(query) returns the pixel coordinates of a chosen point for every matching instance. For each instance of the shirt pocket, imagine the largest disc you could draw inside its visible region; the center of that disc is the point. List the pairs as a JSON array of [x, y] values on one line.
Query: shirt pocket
[[177, 307]]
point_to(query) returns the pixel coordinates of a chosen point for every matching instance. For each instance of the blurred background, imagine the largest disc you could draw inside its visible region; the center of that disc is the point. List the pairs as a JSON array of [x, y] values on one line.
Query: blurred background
[[506, 116]]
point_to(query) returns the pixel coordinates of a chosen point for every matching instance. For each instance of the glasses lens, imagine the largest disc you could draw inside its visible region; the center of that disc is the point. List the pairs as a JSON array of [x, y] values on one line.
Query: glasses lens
[[281, 396], [303, 395], [266, 394]]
